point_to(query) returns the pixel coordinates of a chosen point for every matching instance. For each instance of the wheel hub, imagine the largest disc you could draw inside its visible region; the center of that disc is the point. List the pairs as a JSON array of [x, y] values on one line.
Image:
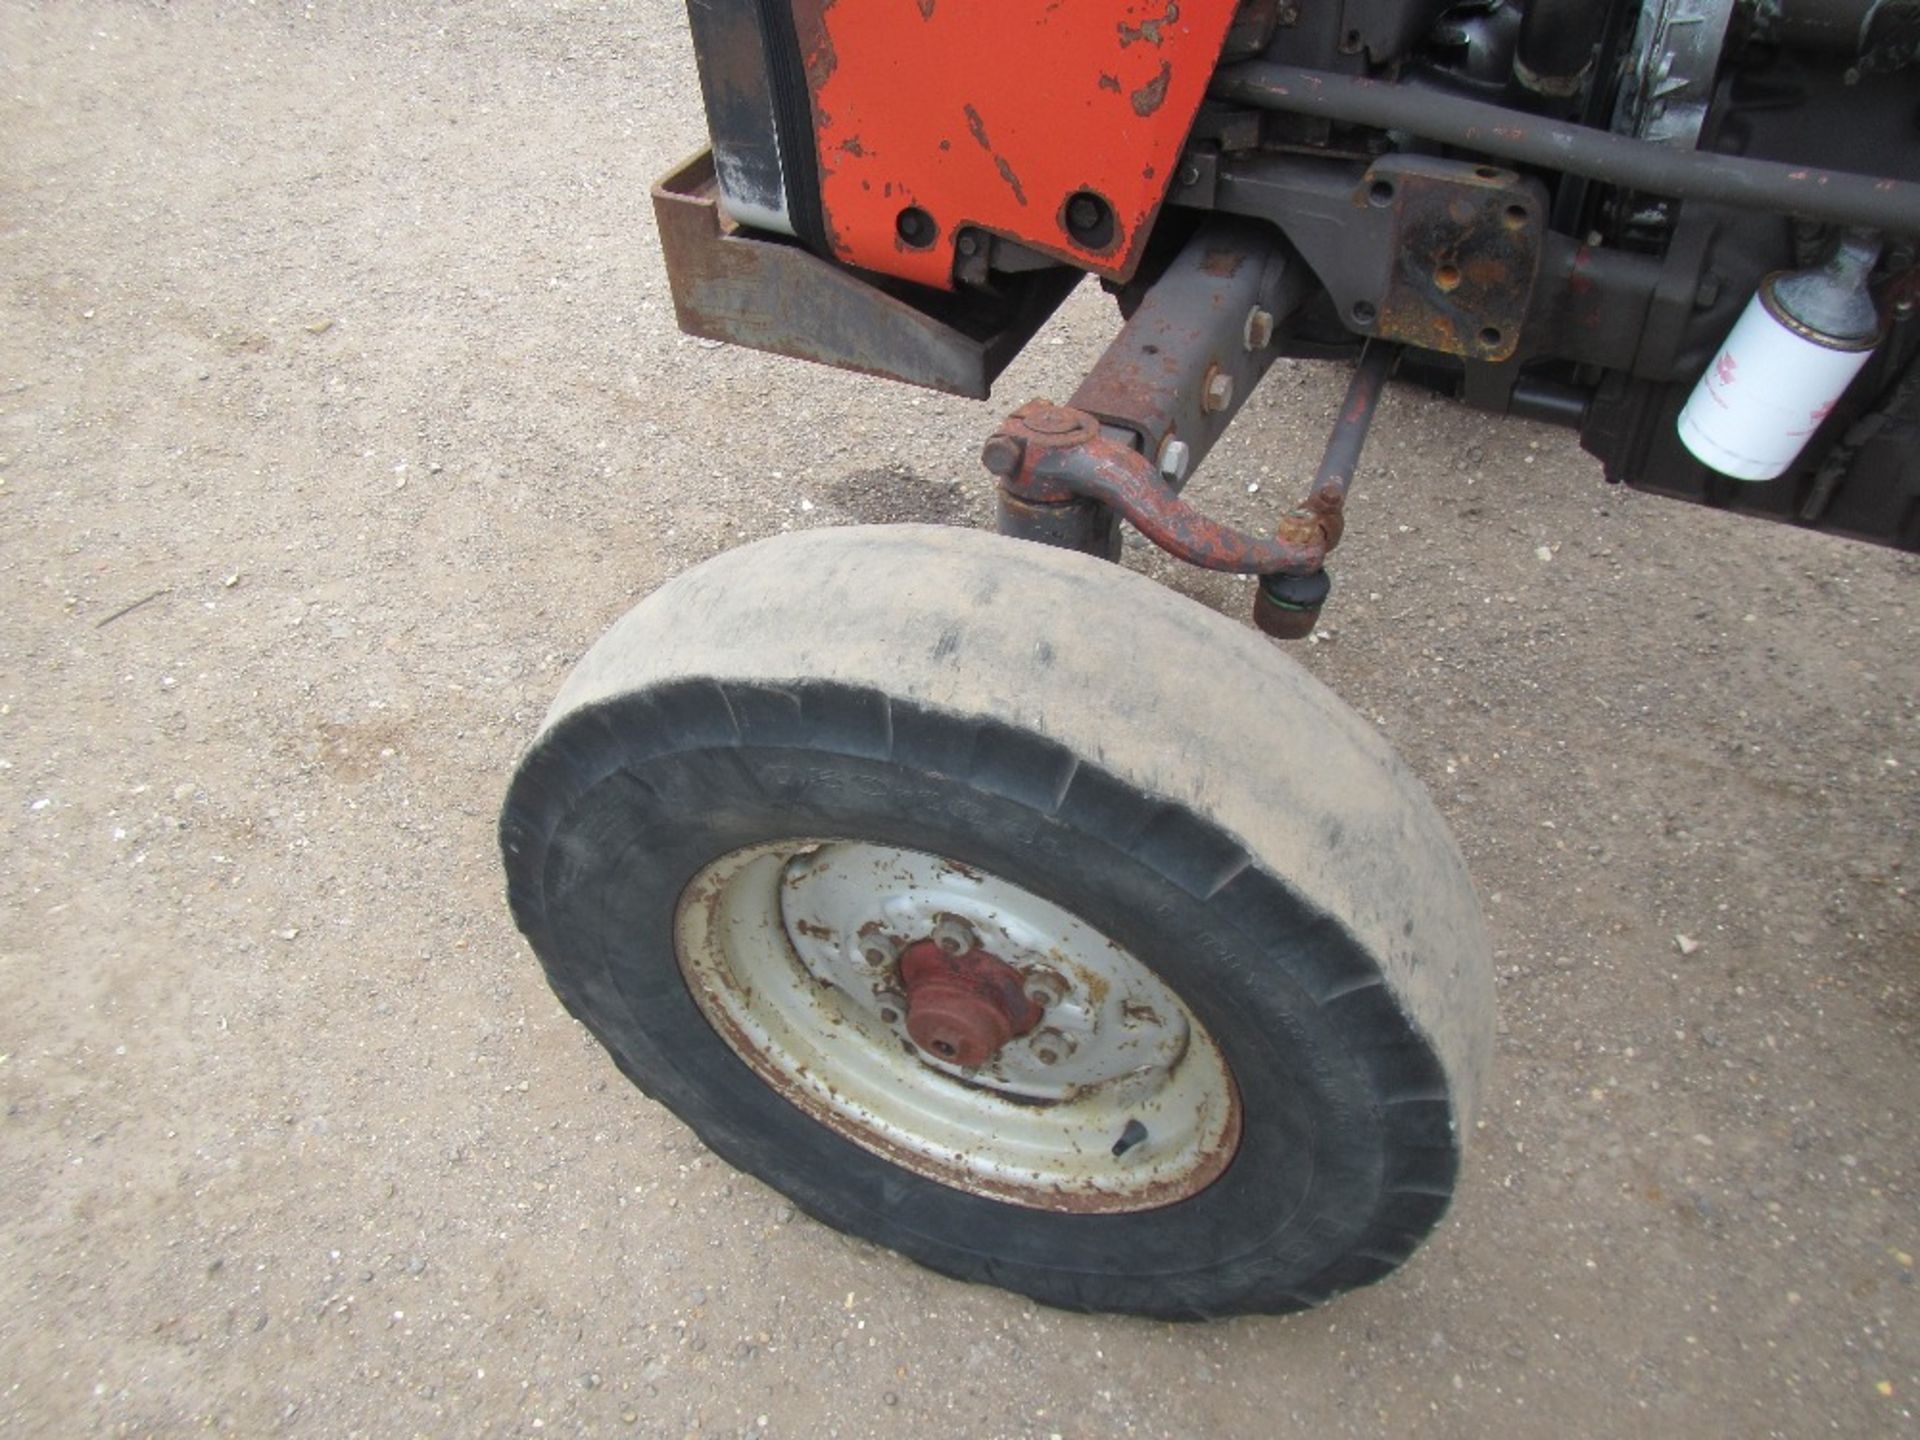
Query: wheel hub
[[957, 1024], [963, 1007]]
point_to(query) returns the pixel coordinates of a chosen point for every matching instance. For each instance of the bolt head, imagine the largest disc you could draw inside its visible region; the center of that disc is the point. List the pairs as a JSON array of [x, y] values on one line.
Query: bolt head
[[1259, 332], [1175, 456], [1050, 1047], [1001, 455], [956, 937], [1045, 986], [1218, 393]]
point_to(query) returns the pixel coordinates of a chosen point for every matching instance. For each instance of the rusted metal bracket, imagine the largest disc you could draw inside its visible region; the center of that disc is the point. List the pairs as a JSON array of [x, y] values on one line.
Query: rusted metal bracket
[[1158, 400], [1053, 455], [1197, 344], [1192, 351], [1048, 454], [752, 289], [1441, 254]]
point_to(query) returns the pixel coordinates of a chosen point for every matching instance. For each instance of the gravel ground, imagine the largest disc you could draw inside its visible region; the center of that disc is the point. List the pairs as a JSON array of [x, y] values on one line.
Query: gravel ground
[[341, 407]]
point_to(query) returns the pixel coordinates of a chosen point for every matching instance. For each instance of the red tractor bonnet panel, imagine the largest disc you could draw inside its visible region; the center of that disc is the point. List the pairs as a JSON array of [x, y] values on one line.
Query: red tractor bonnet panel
[[1056, 124]]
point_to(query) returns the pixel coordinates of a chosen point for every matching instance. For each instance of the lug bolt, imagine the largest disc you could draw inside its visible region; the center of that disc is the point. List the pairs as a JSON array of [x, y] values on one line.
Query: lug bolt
[[1259, 331], [1045, 987], [1218, 393], [1050, 1047], [956, 937]]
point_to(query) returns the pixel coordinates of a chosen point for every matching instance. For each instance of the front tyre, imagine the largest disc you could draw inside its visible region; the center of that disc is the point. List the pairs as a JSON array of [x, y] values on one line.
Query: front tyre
[[1002, 907]]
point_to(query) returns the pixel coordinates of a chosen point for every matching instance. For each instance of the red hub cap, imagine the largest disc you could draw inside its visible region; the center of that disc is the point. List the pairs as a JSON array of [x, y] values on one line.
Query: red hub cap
[[963, 1008]]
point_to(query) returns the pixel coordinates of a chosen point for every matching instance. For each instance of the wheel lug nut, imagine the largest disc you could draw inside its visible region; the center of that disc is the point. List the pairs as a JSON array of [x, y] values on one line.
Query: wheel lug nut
[[1044, 987], [956, 937], [1050, 1047], [877, 947]]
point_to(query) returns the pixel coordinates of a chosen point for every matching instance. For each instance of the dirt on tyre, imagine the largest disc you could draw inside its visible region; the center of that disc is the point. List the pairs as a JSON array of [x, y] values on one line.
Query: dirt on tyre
[[1001, 907]]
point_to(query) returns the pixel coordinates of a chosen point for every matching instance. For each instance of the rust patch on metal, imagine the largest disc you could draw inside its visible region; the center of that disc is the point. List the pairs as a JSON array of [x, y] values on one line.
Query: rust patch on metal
[[1062, 455], [1152, 95], [732, 285], [1466, 242], [978, 129], [1224, 263], [1282, 622], [1013, 180], [1149, 31], [962, 1008]]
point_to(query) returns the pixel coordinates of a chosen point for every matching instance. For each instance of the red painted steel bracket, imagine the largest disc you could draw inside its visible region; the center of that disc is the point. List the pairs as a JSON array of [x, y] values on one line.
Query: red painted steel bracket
[[1000, 117]]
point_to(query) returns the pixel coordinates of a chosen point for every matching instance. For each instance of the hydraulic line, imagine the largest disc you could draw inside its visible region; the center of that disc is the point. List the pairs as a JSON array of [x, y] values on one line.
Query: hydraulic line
[[1835, 196]]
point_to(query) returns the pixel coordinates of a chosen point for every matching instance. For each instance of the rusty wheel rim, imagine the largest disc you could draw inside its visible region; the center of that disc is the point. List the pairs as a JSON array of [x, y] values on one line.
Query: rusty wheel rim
[[857, 980]]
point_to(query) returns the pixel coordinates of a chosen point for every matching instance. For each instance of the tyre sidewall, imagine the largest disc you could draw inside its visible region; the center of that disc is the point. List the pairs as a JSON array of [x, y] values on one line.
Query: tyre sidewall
[[625, 810]]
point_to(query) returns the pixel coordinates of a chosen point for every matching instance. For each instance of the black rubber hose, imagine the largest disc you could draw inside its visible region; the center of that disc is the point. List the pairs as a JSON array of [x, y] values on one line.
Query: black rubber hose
[[1845, 199]]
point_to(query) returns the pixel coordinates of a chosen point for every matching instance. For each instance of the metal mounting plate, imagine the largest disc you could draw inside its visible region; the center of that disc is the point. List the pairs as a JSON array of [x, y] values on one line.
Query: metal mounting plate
[[1465, 243], [751, 289]]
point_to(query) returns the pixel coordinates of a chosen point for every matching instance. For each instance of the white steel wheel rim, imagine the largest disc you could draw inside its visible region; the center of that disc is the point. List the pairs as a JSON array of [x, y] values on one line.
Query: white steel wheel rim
[[1117, 1100]]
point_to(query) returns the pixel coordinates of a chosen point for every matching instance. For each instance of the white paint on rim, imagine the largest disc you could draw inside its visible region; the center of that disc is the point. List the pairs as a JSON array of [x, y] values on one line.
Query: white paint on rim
[[777, 944]]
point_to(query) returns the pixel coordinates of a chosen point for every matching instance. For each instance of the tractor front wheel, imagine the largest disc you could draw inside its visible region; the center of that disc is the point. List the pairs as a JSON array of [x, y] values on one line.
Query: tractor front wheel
[[999, 906]]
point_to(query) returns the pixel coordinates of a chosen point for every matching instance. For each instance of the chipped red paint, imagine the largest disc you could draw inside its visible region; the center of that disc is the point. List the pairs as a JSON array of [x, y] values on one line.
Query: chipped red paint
[[992, 116]]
